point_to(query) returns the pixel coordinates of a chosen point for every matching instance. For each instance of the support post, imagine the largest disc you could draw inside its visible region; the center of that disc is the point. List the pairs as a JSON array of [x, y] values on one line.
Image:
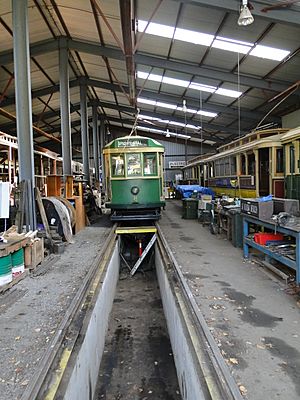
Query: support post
[[102, 134], [65, 112], [23, 103], [84, 133], [96, 143]]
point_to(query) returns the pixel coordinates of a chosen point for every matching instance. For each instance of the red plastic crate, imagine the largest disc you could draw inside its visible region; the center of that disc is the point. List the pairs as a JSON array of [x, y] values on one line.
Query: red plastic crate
[[262, 238]]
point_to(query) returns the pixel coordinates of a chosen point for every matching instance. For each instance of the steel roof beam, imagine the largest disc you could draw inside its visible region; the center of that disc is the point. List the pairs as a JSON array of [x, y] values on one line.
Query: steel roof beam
[[284, 15], [205, 136], [177, 66], [149, 60], [126, 109], [253, 115]]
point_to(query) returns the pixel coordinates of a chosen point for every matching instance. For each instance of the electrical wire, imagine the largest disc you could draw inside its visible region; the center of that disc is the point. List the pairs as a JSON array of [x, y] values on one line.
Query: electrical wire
[[201, 121], [239, 101], [276, 105]]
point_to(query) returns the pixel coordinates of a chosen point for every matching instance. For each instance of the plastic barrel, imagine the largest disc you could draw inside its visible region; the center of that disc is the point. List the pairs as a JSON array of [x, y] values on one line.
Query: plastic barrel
[[17, 259], [5, 270]]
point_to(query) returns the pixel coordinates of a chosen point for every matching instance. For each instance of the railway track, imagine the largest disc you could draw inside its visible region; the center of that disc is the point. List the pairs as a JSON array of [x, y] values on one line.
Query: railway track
[[69, 368]]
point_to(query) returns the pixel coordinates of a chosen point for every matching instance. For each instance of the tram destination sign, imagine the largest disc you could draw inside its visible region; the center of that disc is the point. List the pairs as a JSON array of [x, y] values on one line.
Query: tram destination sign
[[133, 143]]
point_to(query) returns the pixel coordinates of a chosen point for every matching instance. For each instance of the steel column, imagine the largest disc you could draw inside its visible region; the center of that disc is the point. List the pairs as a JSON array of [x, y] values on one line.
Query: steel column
[[23, 103], [65, 111], [84, 133], [95, 142], [102, 134]]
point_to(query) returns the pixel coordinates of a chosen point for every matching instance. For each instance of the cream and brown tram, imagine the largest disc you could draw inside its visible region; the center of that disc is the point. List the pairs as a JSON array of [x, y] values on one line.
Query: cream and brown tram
[[250, 166]]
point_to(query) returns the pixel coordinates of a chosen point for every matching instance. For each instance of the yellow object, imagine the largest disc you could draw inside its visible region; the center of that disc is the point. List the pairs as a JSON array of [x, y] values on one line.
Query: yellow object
[[136, 229]]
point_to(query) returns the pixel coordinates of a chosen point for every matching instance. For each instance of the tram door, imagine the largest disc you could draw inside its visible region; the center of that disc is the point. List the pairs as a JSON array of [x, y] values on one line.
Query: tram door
[[264, 171]]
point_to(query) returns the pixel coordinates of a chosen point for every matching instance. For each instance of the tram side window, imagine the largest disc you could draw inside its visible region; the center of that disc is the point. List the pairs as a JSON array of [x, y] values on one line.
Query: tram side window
[[150, 164], [218, 167], [134, 166], [243, 164], [233, 165], [251, 164], [279, 160], [292, 159], [227, 166], [117, 165]]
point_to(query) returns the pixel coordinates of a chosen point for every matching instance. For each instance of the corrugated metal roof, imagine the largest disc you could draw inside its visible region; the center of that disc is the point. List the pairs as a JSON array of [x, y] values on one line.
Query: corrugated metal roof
[[202, 64]]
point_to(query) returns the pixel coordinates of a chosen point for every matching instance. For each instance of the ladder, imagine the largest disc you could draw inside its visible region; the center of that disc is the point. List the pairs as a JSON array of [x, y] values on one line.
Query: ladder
[[145, 252]]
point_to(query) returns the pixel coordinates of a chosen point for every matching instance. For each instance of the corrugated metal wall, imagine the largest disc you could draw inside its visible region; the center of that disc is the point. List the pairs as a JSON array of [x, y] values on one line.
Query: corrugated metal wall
[[176, 152]]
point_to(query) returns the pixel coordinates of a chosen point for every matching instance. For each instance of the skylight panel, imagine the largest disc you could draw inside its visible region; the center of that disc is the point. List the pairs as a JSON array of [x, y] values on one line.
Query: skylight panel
[[175, 107], [218, 42], [166, 121], [146, 101], [193, 37], [156, 29], [228, 92], [207, 113], [166, 105], [203, 88], [232, 45], [153, 130], [270, 53], [149, 77], [142, 75], [192, 85], [176, 82]]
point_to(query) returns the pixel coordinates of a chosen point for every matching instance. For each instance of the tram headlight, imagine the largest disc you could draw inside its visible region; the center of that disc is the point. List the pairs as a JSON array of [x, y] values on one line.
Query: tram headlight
[[135, 190]]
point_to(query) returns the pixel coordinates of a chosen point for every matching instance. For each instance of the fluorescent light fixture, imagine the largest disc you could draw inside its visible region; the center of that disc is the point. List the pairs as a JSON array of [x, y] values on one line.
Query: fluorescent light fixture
[[245, 17], [228, 92], [185, 35], [270, 53], [232, 45], [175, 107]]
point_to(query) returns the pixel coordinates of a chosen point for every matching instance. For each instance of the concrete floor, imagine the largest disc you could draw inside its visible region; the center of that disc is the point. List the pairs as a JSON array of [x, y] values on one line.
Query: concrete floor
[[253, 319], [31, 312]]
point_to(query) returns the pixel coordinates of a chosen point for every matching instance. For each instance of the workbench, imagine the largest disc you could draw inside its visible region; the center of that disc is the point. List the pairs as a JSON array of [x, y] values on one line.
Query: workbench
[[288, 231]]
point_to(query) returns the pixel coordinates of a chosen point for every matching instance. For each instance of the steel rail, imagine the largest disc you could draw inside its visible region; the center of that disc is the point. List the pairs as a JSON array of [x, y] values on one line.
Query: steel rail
[[54, 347], [225, 380]]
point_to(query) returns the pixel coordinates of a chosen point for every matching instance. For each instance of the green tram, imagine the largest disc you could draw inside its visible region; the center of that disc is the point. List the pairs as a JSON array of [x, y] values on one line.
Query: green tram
[[291, 145], [134, 178], [250, 166]]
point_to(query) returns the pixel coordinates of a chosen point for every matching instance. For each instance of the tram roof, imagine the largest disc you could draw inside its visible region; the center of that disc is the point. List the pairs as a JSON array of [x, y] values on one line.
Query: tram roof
[[276, 140], [291, 134]]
